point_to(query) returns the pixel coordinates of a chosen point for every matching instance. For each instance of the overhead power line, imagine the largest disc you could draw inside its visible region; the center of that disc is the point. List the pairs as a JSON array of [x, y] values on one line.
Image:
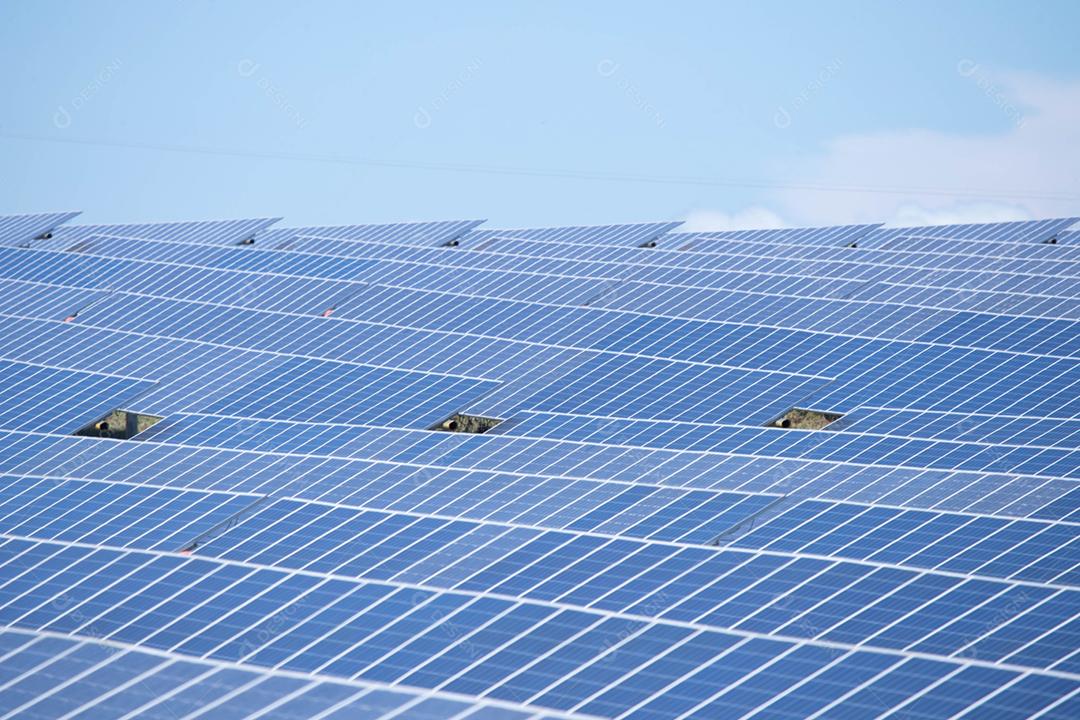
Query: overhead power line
[[555, 173]]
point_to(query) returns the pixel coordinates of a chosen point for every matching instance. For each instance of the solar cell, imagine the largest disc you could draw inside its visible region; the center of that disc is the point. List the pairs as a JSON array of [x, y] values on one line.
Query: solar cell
[[213, 232], [51, 399]]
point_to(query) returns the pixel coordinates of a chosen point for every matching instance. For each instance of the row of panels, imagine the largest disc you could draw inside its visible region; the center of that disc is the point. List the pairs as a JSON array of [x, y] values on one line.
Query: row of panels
[[771, 593], [674, 293], [345, 451], [49, 676], [536, 653]]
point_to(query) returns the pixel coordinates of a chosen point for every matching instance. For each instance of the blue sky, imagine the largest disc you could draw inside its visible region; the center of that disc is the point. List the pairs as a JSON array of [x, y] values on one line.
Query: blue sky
[[724, 114]]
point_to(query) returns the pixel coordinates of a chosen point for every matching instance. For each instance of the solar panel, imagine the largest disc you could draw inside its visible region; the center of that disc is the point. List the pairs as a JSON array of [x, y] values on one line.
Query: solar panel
[[218, 232], [816, 472], [24, 229], [342, 239], [52, 399]]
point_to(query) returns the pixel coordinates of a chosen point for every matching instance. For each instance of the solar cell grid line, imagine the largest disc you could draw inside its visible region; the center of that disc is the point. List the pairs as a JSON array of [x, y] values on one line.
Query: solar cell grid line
[[990, 692], [39, 571], [626, 234], [737, 439], [422, 233], [1040, 503], [683, 693], [863, 685], [45, 300], [179, 251], [166, 597], [50, 398], [871, 537], [914, 678], [1013, 231], [197, 282], [85, 348], [1038, 559], [207, 686], [41, 662], [990, 702], [899, 709], [962, 248], [1004, 534], [169, 514], [577, 687], [1064, 706], [658, 257], [89, 522], [1017, 257], [821, 692], [744, 685], [810, 235], [122, 578], [1028, 491], [755, 256], [245, 607], [576, 630], [972, 361], [387, 231], [688, 435], [102, 657], [886, 267], [387, 650], [973, 618], [803, 279], [293, 697], [173, 607], [806, 618], [983, 632], [471, 628], [95, 320], [313, 368], [87, 496], [997, 428], [189, 674], [33, 575], [221, 232], [1068, 237], [254, 686], [1018, 652], [764, 294]]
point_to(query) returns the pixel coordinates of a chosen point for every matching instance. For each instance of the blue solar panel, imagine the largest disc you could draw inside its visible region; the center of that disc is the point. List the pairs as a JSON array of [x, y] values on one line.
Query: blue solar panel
[[50, 399], [25, 229], [633, 536]]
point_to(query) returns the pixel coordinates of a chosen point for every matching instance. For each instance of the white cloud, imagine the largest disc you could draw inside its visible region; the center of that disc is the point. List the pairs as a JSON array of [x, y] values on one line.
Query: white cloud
[[1006, 175], [751, 218], [976, 212]]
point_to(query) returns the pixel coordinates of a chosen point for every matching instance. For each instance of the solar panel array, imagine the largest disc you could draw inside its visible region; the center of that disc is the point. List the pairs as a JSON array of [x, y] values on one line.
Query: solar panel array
[[637, 537]]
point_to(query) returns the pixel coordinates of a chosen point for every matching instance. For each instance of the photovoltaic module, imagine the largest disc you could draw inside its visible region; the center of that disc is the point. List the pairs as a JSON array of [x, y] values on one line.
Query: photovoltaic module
[[436, 470]]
